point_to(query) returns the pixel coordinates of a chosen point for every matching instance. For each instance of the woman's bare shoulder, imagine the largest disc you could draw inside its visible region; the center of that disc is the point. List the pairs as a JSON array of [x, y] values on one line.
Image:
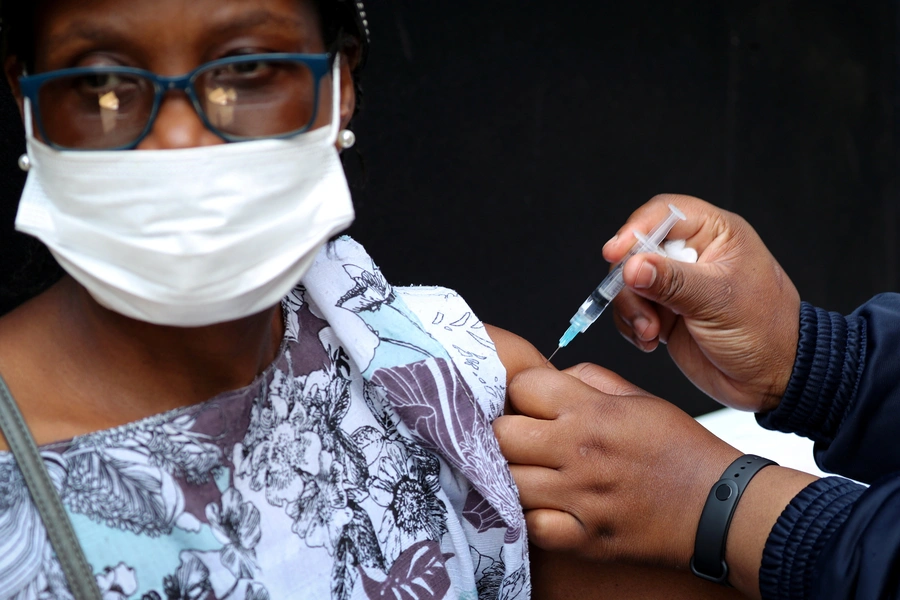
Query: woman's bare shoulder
[[557, 575], [18, 330], [29, 365], [23, 329], [516, 353]]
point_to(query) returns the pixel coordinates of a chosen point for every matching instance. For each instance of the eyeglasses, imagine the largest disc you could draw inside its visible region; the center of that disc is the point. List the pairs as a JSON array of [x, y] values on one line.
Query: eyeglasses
[[238, 98]]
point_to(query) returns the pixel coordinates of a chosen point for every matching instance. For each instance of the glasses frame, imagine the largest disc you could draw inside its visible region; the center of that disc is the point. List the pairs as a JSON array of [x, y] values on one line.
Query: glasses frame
[[319, 64]]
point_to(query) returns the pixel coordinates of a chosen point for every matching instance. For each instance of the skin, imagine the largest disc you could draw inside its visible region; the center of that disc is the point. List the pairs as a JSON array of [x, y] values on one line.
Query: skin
[[76, 367], [608, 472]]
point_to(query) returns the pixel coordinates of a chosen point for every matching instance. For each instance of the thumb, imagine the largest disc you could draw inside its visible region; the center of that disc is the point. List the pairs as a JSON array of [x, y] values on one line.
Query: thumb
[[689, 289]]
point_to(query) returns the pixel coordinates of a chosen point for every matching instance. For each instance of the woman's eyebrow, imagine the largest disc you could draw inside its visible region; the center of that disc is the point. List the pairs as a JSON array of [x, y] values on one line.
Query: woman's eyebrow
[[257, 18], [79, 31], [85, 30]]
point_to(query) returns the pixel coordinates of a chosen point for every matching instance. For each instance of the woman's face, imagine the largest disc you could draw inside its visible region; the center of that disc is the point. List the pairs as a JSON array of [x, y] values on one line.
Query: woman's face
[[171, 38]]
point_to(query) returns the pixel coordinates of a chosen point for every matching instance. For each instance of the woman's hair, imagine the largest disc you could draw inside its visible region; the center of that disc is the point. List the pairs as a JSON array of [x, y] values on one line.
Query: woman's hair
[[343, 29], [17, 22]]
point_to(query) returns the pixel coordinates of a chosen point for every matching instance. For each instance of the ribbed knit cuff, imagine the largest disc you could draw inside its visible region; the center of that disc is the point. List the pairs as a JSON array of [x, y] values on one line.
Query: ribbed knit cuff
[[793, 548], [826, 371]]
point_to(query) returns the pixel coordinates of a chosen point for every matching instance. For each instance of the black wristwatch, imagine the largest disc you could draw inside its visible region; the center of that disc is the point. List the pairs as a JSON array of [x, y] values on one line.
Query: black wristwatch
[[708, 561]]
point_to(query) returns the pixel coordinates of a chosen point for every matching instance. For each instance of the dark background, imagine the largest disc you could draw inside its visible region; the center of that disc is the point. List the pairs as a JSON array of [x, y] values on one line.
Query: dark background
[[503, 142]]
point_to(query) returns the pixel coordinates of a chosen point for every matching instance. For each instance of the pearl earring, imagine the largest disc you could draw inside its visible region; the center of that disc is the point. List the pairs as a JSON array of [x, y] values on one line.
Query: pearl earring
[[346, 139], [24, 163]]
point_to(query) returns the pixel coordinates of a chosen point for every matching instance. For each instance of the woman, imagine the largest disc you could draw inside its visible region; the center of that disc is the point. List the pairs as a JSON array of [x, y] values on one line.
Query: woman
[[214, 429]]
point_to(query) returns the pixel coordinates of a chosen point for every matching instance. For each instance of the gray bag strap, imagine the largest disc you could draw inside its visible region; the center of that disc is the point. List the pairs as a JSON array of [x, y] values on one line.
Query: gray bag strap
[[59, 529]]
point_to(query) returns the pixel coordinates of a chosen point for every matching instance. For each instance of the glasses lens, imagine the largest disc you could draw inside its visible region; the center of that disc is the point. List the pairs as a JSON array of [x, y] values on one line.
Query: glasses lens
[[257, 98], [98, 110]]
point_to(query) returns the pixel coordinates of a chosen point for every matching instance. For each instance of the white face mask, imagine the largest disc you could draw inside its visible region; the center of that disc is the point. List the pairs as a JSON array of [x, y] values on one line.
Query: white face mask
[[189, 237]]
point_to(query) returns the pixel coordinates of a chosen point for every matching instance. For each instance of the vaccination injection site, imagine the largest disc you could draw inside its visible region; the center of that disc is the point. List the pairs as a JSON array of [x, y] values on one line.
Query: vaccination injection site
[[358, 300]]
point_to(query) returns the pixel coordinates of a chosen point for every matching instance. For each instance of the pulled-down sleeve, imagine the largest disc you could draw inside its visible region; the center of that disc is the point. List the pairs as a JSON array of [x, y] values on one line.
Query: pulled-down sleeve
[[838, 539]]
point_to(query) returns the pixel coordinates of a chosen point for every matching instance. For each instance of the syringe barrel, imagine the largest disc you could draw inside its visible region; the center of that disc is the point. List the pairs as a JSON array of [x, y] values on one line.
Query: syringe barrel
[[594, 305], [589, 310], [614, 283]]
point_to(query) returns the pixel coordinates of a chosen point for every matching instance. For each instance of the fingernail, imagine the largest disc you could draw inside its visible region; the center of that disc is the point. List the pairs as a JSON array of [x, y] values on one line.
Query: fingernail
[[613, 239], [646, 276], [640, 327]]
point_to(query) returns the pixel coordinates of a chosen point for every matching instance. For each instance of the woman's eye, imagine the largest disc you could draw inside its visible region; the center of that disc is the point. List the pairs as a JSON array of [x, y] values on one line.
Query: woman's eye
[[244, 75], [245, 69], [99, 83]]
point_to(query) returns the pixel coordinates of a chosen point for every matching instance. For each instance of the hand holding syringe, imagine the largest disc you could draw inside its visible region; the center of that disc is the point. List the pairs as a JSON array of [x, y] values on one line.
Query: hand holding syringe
[[613, 283]]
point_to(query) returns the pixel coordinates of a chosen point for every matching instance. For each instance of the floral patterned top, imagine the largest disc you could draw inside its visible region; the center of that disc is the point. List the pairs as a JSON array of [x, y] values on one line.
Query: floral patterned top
[[359, 464]]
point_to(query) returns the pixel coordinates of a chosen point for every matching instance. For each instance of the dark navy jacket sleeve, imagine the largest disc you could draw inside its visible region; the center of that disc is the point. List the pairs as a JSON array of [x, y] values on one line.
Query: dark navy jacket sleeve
[[844, 392], [836, 539]]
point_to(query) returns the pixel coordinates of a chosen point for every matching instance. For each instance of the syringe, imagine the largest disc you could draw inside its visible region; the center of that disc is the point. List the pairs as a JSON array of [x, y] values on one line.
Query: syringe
[[613, 283]]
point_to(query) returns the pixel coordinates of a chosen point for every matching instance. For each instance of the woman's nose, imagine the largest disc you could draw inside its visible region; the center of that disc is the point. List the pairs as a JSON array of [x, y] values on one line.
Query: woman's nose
[[178, 125]]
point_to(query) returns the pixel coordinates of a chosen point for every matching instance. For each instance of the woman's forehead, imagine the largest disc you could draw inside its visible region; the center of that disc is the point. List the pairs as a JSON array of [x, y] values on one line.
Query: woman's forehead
[[63, 25]]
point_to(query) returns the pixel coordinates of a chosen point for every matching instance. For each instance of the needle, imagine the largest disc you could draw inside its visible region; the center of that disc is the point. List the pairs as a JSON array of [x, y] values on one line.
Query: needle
[[552, 355]]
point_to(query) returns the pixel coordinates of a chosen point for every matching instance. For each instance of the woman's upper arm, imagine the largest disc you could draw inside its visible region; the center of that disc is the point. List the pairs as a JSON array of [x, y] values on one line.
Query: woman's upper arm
[[516, 353], [560, 575]]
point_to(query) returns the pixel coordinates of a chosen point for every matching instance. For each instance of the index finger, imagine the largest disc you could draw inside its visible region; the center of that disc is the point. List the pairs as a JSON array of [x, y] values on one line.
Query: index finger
[[603, 380], [704, 223], [527, 441], [541, 393]]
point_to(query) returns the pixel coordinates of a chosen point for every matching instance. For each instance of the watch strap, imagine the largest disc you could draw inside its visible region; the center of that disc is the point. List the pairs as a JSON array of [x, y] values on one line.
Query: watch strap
[[708, 561]]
